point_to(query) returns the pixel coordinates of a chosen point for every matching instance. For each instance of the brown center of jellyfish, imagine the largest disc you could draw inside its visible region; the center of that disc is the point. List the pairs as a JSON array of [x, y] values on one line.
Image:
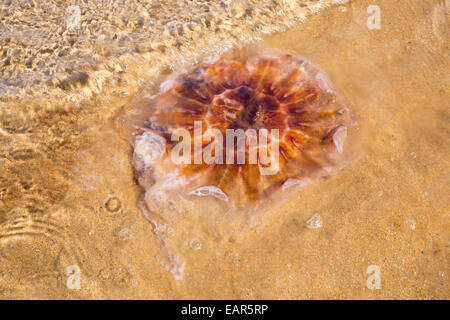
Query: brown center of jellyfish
[[249, 108]]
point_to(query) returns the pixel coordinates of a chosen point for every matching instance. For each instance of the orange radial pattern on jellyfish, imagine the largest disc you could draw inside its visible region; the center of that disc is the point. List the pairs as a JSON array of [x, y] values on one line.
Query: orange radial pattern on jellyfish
[[243, 91]]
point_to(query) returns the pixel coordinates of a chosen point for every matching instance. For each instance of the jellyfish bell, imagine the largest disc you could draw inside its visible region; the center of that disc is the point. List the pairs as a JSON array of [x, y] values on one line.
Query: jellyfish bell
[[228, 140]]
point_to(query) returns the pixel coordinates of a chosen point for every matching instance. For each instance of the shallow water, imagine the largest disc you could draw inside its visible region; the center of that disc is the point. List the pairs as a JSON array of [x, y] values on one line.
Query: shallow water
[[68, 196]]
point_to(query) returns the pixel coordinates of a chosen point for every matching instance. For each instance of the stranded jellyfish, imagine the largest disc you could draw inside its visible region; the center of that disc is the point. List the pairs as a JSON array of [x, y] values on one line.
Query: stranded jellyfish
[[239, 132]]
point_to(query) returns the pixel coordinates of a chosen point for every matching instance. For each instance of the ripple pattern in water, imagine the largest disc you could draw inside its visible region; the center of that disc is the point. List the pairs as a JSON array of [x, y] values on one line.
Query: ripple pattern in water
[[49, 48]]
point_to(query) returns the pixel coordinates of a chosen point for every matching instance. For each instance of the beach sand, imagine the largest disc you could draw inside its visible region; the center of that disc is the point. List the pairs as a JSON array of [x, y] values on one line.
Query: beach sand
[[68, 195]]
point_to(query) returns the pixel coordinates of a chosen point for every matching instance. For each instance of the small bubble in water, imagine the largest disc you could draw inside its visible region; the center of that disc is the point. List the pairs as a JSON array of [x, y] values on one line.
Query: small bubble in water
[[195, 244], [113, 204], [411, 224], [125, 234], [315, 222], [413, 154], [342, 8]]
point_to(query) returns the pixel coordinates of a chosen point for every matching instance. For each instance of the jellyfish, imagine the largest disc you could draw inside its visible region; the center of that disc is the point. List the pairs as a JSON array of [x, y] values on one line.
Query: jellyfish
[[235, 136]]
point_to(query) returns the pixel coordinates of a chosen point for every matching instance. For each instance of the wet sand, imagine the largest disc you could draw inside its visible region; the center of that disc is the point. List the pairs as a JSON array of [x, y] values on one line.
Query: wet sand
[[69, 197]]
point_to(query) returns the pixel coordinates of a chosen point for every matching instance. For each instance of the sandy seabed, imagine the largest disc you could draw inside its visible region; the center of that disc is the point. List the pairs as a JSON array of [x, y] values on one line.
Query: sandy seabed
[[68, 196]]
